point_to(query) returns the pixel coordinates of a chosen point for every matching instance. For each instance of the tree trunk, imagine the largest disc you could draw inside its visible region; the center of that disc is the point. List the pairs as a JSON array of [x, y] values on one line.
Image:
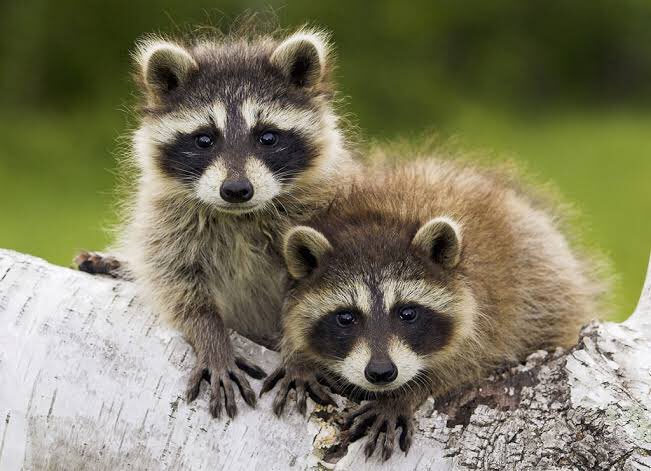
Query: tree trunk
[[91, 379]]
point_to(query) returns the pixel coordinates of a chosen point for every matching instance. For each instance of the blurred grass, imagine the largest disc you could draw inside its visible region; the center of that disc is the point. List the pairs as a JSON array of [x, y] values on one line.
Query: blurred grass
[[57, 177], [601, 162], [537, 82], [56, 184]]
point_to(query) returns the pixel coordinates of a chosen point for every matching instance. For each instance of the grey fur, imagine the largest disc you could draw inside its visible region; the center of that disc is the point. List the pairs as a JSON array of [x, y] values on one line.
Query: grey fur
[[210, 266]]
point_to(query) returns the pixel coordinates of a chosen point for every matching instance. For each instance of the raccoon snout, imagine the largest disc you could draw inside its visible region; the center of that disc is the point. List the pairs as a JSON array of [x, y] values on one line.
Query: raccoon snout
[[236, 191], [381, 371]]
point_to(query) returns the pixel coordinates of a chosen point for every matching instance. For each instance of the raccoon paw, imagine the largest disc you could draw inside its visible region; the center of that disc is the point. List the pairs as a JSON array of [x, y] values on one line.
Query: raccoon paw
[[380, 417], [303, 381], [97, 264], [222, 378]]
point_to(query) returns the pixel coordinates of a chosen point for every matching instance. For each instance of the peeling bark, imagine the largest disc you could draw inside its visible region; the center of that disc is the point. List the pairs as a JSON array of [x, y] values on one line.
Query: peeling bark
[[90, 379]]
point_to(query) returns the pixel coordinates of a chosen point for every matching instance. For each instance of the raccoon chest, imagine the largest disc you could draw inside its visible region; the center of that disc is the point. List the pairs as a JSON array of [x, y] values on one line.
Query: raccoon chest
[[249, 286]]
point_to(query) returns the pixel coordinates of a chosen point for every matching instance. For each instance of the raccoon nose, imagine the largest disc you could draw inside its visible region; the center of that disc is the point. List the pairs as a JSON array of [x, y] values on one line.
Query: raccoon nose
[[381, 372], [236, 191]]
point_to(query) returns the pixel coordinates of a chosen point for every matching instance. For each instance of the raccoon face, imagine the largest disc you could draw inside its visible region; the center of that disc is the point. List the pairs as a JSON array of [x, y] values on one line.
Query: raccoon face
[[378, 325], [237, 124]]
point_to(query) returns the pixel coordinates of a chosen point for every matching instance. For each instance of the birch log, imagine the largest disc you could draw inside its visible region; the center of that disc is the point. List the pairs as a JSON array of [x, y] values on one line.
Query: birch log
[[90, 379]]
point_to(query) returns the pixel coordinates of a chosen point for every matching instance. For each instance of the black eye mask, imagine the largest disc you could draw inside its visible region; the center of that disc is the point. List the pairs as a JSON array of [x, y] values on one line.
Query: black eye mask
[[290, 153], [331, 338], [427, 332], [186, 161]]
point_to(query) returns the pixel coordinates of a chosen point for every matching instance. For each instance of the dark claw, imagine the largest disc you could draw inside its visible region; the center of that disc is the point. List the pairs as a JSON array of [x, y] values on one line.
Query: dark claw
[[194, 383], [379, 421], [229, 394], [407, 433], [271, 381], [303, 381], [245, 388], [373, 436], [215, 405], [222, 391], [389, 439], [253, 370], [281, 398], [319, 394], [369, 448], [361, 425], [350, 418], [301, 398]]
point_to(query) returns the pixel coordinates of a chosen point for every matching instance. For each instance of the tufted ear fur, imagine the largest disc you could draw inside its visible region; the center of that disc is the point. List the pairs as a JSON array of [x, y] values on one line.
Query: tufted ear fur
[[164, 66], [304, 250], [302, 58], [440, 239]]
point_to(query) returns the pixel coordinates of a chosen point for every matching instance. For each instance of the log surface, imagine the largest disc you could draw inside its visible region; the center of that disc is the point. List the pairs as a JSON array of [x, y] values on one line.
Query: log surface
[[91, 379]]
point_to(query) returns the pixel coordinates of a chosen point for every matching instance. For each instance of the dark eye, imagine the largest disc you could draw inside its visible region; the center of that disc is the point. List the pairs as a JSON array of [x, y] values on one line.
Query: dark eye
[[268, 138], [408, 314], [346, 319], [203, 141]]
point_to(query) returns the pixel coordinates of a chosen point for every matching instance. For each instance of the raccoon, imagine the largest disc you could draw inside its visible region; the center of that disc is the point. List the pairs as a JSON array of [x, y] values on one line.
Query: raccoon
[[423, 279], [238, 140]]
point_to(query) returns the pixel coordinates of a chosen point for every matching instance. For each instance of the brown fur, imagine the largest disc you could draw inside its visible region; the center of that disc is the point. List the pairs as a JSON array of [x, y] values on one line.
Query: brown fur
[[527, 289], [474, 242]]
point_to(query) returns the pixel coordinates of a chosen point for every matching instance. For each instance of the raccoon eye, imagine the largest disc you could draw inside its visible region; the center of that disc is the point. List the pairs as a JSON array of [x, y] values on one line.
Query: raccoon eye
[[268, 138], [408, 314], [203, 141], [346, 319]]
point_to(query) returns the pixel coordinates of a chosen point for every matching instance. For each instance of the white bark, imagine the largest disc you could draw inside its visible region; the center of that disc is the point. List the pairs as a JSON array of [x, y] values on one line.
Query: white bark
[[90, 379]]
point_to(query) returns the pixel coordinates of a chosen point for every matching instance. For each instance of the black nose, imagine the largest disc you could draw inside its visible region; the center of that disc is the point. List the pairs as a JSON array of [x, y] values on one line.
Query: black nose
[[236, 191], [381, 372]]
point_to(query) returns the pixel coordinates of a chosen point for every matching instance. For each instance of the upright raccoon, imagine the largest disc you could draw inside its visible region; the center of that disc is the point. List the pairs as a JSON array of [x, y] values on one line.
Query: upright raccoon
[[238, 140], [421, 280]]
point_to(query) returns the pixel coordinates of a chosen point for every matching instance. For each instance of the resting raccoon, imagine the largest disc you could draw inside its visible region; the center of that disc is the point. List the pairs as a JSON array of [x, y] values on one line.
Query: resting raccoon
[[421, 280], [238, 140]]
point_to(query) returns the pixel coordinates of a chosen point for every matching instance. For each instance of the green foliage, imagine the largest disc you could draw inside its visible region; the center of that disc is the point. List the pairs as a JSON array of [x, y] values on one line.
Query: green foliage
[[561, 85]]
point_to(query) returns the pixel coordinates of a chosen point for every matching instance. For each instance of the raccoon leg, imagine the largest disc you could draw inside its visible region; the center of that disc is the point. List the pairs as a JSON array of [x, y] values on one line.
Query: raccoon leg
[[217, 364], [98, 264], [384, 416], [296, 376]]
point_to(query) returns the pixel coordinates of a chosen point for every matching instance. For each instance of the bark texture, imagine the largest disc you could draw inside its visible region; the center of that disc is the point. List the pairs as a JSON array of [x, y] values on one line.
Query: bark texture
[[91, 379]]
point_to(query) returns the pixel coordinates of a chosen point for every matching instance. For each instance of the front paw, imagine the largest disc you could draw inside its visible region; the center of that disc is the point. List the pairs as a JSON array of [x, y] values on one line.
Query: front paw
[[97, 264], [221, 376], [303, 380], [380, 416]]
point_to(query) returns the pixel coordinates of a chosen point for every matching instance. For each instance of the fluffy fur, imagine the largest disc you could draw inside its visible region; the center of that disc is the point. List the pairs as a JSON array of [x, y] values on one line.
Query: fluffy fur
[[206, 263], [484, 262]]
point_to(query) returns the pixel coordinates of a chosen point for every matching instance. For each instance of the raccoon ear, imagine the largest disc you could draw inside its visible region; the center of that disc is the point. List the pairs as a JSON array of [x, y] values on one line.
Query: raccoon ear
[[164, 66], [304, 250], [440, 239], [302, 58]]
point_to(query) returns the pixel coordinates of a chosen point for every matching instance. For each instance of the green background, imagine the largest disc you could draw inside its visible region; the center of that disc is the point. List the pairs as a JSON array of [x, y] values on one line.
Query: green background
[[563, 87]]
